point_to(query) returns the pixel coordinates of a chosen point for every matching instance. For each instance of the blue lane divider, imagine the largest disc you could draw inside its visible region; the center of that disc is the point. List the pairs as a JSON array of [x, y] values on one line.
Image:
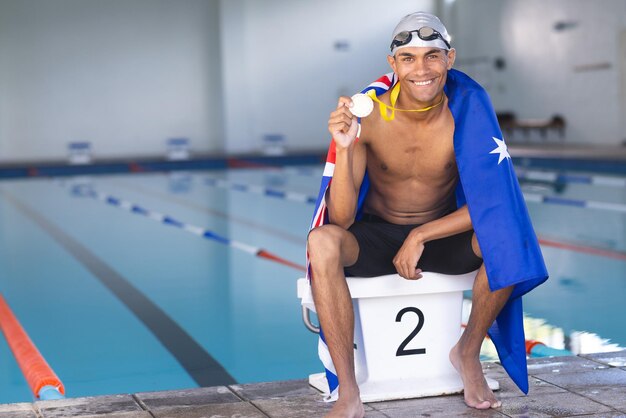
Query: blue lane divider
[[587, 204], [88, 191], [264, 191], [304, 171], [565, 202], [300, 197], [522, 174], [553, 177]]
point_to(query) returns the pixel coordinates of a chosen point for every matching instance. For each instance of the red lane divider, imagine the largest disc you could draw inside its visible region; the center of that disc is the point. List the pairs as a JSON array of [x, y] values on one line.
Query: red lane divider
[[34, 367], [270, 256], [618, 255], [134, 167], [530, 344], [239, 163]]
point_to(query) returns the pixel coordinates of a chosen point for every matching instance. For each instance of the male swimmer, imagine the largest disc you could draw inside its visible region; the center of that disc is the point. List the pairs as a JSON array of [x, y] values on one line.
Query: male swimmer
[[412, 218]]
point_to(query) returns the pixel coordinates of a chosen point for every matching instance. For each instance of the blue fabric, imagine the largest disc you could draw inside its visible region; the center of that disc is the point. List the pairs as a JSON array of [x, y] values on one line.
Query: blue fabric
[[489, 187], [499, 215]]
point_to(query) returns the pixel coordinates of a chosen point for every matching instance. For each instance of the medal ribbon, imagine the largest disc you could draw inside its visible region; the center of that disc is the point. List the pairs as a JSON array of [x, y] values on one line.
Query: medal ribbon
[[393, 97]]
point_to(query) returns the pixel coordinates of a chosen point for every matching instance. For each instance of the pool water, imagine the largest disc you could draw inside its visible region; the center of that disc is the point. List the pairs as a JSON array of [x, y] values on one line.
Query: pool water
[[120, 301]]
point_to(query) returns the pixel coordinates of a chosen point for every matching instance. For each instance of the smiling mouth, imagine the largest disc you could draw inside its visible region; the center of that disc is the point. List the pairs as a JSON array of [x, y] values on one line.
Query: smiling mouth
[[424, 83]]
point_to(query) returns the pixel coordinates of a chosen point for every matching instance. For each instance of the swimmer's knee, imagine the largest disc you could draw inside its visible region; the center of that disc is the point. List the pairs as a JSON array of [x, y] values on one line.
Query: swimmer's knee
[[325, 237], [476, 247]]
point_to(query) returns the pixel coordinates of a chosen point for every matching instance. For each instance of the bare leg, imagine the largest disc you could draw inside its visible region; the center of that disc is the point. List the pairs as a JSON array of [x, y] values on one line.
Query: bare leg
[[465, 355], [330, 249]]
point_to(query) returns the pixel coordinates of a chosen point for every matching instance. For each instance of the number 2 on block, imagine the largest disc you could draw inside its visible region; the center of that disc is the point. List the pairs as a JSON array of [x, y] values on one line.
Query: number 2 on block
[[402, 351]]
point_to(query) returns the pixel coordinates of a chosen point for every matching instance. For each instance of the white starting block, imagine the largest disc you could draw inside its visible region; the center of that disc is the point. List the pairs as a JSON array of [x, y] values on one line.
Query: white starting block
[[79, 152], [274, 144], [403, 333], [177, 149]]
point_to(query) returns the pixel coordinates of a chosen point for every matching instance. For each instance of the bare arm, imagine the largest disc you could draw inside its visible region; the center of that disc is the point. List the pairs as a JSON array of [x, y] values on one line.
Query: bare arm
[[409, 254], [350, 163], [451, 224]]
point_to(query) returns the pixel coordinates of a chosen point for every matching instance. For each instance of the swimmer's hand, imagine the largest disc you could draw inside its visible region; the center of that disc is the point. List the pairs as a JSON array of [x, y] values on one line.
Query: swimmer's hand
[[343, 125], [407, 257]]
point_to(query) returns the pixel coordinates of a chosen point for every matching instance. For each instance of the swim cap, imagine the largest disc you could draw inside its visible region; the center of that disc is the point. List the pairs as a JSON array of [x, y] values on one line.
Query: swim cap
[[411, 23]]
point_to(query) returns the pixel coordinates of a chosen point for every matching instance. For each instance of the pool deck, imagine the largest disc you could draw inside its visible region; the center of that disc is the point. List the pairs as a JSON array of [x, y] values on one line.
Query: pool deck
[[591, 385], [568, 151], [556, 155]]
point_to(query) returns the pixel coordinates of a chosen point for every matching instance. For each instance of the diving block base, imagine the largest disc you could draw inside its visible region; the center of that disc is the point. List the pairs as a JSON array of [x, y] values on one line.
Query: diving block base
[[411, 388], [403, 333]]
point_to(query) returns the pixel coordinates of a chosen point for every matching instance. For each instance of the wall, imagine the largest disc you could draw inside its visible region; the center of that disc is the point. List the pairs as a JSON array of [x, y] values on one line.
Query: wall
[[574, 72], [124, 75], [623, 86], [127, 74], [282, 73]]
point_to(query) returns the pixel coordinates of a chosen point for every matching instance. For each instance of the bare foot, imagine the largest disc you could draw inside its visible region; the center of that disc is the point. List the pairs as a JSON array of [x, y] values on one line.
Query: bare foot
[[476, 391], [347, 407]]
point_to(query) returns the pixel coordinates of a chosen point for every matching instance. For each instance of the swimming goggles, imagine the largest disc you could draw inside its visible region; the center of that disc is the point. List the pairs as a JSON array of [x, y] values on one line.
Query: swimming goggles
[[425, 33]]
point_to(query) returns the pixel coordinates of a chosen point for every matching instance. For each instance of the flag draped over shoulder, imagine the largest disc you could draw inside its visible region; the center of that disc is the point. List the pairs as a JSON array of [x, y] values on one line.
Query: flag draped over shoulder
[[489, 187]]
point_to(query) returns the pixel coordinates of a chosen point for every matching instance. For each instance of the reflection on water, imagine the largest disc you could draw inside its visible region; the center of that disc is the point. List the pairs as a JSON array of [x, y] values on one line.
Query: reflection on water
[[537, 329]]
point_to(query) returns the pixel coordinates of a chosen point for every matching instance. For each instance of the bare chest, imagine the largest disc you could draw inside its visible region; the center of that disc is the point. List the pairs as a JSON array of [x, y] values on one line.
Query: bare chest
[[398, 153]]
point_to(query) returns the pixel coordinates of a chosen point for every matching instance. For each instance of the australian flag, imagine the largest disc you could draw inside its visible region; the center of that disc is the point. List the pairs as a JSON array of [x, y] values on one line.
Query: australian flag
[[489, 187]]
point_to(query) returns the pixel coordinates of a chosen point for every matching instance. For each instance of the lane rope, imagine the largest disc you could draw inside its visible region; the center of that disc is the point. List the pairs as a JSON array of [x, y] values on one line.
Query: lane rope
[[188, 203], [42, 380], [579, 203], [555, 177], [522, 174], [88, 191], [529, 197], [310, 199], [260, 190]]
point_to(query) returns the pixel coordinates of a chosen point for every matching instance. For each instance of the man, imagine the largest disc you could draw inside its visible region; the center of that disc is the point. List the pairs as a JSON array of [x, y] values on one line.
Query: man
[[414, 217]]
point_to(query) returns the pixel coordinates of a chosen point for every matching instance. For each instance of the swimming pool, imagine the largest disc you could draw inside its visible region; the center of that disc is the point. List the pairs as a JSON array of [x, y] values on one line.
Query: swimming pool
[[140, 282]]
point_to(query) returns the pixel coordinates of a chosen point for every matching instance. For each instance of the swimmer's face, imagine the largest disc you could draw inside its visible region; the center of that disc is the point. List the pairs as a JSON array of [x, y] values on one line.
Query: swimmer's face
[[422, 72]]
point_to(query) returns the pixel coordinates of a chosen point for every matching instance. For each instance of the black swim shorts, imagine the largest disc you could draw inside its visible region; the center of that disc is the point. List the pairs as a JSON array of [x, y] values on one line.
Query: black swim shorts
[[379, 242]]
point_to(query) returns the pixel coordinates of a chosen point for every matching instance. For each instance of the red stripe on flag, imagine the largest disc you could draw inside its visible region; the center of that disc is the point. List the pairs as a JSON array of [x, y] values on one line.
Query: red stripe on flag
[[385, 80], [331, 157]]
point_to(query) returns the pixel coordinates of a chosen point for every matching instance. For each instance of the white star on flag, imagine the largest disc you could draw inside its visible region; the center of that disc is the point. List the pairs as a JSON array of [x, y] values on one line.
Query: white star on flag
[[504, 153]]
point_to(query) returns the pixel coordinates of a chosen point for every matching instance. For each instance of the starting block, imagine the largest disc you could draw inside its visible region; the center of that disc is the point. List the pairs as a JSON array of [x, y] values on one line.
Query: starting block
[[177, 149], [79, 152], [274, 144], [403, 333]]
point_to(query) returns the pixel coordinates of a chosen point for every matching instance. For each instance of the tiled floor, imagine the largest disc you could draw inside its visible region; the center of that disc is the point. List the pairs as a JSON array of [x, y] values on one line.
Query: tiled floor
[[584, 386]]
